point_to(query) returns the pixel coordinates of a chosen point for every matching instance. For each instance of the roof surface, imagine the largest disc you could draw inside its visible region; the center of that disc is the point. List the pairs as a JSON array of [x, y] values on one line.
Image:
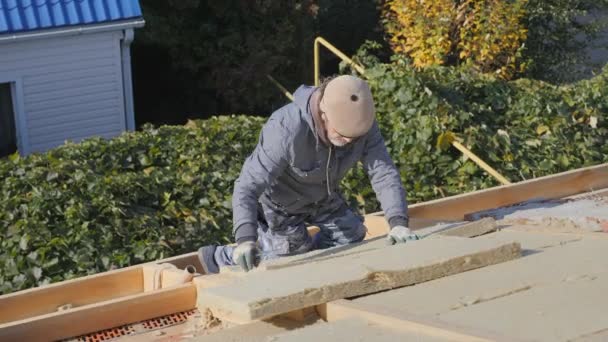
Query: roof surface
[[18, 16]]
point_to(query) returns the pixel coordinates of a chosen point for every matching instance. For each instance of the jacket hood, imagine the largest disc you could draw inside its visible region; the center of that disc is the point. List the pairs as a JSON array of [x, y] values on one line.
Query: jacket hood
[[301, 97]]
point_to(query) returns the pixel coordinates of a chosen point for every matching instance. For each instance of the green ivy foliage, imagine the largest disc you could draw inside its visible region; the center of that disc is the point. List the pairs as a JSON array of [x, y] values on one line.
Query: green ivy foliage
[[102, 204], [524, 128]]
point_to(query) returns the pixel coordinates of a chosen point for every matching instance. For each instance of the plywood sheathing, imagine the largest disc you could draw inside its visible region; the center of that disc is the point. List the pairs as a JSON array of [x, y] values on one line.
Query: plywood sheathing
[[526, 291], [260, 295]]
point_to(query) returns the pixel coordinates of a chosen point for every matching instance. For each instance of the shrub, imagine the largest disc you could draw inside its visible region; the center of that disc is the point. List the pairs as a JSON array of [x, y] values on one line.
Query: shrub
[[523, 128], [487, 35], [102, 204]]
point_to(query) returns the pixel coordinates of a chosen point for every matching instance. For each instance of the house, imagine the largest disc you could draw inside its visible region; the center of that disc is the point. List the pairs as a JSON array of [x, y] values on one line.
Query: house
[[65, 71]]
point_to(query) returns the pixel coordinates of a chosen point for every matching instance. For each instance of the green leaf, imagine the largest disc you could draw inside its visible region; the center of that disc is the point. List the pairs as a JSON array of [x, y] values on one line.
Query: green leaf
[[23, 242], [52, 176], [37, 272]]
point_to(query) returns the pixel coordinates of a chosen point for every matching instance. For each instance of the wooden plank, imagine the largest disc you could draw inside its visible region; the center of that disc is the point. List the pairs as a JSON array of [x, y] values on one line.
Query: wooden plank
[[260, 295], [550, 187], [95, 317], [421, 326], [160, 276], [182, 261], [74, 293]]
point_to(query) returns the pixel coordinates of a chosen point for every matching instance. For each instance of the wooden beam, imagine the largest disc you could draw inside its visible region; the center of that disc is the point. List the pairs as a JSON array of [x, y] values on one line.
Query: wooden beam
[[160, 276], [75, 293], [95, 317], [182, 261], [345, 309], [549, 187]]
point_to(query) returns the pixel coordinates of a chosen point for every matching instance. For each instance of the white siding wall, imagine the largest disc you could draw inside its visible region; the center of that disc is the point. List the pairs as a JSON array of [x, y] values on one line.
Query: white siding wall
[[71, 87]]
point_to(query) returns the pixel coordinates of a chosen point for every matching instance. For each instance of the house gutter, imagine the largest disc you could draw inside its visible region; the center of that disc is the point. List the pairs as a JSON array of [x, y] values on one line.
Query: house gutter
[[127, 80], [77, 30]]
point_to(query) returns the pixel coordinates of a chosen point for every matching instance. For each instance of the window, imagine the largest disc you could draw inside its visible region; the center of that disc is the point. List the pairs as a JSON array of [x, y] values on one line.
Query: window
[[8, 133]]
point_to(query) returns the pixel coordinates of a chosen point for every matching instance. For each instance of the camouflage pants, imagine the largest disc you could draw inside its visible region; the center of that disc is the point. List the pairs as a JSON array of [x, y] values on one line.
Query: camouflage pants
[[280, 234]]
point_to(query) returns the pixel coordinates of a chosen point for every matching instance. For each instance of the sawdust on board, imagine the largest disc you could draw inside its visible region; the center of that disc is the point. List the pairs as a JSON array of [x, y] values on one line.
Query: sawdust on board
[[550, 225], [580, 215], [210, 324]]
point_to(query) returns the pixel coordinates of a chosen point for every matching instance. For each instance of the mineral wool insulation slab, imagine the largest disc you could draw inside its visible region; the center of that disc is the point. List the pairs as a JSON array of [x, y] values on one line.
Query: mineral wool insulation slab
[[341, 251], [560, 278], [546, 259], [313, 256], [265, 294], [564, 311], [352, 329]]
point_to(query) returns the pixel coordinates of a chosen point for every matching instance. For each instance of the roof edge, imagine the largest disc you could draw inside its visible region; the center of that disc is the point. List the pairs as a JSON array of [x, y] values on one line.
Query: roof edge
[[72, 30]]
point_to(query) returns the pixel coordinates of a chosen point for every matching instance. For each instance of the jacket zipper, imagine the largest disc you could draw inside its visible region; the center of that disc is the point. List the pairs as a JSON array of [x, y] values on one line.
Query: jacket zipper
[[327, 170]]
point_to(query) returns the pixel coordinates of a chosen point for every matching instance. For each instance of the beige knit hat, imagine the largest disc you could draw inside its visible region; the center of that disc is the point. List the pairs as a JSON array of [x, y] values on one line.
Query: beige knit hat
[[348, 104]]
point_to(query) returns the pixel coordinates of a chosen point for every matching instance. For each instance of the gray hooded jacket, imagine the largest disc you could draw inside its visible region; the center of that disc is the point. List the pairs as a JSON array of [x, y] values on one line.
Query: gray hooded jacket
[[292, 170]]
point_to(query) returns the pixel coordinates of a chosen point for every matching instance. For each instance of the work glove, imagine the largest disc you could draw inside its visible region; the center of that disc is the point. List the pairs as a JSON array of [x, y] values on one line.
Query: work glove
[[246, 255], [400, 234]]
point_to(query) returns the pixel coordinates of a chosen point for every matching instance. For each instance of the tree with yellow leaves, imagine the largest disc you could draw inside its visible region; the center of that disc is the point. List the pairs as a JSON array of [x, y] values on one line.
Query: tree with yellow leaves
[[487, 35]]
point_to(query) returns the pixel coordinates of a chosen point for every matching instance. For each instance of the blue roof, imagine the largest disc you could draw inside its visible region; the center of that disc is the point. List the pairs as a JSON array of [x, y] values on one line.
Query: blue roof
[[30, 15]]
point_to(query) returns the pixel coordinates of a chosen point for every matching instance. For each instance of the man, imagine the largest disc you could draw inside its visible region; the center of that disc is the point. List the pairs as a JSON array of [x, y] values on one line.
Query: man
[[291, 179]]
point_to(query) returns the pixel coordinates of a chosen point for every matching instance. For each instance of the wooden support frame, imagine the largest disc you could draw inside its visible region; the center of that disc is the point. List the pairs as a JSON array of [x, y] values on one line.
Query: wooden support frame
[[75, 293], [549, 187], [93, 303], [99, 316]]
